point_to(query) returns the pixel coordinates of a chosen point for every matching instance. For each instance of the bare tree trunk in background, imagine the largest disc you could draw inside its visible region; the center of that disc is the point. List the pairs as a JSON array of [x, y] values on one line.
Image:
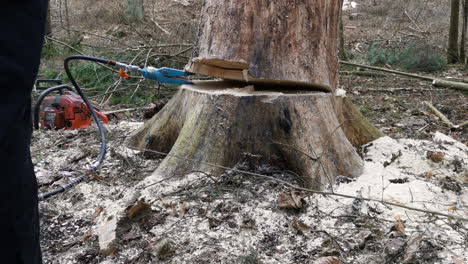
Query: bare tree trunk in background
[[452, 50], [48, 26], [463, 34], [134, 10], [341, 50], [283, 58]]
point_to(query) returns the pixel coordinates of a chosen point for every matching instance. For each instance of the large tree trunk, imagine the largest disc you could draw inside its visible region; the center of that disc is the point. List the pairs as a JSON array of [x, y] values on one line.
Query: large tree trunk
[[48, 25], [281, 42], [452, 50], [463, 31], [283, 58], [342, 54]]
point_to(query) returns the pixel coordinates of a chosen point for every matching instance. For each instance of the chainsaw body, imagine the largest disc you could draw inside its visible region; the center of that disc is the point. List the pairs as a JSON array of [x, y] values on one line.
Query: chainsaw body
[[66, 111]]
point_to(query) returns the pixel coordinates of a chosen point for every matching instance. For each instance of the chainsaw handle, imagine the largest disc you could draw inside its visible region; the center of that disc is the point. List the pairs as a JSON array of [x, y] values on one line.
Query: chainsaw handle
[[102, 116], [40, 81], [38, 103]]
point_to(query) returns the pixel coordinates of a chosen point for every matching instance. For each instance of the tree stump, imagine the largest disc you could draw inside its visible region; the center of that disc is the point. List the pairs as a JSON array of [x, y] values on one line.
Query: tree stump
[[281, 60], [217, 121]]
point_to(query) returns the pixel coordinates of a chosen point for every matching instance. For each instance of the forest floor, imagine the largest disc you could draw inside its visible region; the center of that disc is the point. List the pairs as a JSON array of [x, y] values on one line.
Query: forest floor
[[236, 218], [239, 218]]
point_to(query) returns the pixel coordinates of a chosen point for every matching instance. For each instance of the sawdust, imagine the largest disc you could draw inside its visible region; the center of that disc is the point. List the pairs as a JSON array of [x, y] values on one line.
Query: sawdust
[[234, 218]]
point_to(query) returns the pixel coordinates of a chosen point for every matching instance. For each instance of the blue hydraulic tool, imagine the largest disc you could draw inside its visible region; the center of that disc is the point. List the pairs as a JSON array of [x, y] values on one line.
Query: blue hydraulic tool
[[165, 75], [161, 75]]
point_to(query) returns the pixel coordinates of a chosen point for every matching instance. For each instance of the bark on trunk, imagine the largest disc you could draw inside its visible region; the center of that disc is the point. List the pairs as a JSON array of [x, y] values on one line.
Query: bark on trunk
[[357, 128], [48, 25], [452, 51], [216, 122], [293, 42], [463, 33], [342, 54]]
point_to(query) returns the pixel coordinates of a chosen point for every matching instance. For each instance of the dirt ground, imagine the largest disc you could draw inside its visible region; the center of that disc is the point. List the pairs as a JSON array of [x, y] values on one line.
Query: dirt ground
[[237, 218]]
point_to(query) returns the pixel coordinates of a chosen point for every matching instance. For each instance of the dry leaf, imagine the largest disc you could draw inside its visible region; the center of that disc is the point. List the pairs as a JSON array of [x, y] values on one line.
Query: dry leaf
[[435, 156], [97, 212], [452, 208], [300, 226], [328, 260], [412, 248], [183, 210], [86, 237], [399, 226], [428, 174], [290, 200], [138, 210], [457, 260]]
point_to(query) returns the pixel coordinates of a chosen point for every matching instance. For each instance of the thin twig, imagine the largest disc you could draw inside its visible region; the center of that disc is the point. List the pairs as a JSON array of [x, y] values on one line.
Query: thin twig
[[306, 189], [65, 44], [439, 114]]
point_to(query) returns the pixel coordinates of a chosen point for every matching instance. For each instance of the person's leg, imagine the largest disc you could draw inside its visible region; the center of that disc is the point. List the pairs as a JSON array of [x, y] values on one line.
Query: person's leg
[[21, 39]]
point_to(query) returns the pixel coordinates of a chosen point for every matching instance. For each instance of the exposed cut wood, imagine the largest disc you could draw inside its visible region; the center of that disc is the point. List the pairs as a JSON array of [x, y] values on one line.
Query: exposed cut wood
[[243, 75]]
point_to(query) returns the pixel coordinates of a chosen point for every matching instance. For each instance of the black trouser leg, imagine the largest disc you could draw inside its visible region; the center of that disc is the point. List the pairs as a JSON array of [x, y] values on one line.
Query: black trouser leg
[[21, 39]]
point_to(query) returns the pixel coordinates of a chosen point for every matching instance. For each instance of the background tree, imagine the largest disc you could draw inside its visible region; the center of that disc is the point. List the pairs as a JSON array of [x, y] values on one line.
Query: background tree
[[342, 54], [452, 51], [463, 32], [48, 29]]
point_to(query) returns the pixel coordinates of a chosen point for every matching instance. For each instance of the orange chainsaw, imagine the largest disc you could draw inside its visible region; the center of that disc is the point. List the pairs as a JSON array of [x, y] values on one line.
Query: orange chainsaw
[[66, 110]]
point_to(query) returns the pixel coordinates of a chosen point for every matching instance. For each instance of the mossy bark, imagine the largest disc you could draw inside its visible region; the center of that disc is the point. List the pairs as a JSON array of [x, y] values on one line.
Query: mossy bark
[[357, 128]]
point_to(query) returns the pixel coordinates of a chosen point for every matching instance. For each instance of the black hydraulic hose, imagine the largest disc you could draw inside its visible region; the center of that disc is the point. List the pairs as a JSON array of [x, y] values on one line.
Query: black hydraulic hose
[[38, 103], [95, 166]]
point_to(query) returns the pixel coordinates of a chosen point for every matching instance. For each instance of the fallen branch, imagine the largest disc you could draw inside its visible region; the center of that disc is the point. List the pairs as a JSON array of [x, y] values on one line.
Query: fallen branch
[[392, 90], [439, 114], [461, 86], [464, 124], [363, 73], [128, 110], [426, 78]]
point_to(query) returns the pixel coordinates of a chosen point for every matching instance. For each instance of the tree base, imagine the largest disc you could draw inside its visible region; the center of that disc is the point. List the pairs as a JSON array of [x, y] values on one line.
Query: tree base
[[215, 122]]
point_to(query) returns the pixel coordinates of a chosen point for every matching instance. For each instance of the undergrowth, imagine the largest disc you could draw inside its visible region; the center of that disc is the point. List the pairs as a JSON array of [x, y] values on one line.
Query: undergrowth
[[100, 83], [412, 58]]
